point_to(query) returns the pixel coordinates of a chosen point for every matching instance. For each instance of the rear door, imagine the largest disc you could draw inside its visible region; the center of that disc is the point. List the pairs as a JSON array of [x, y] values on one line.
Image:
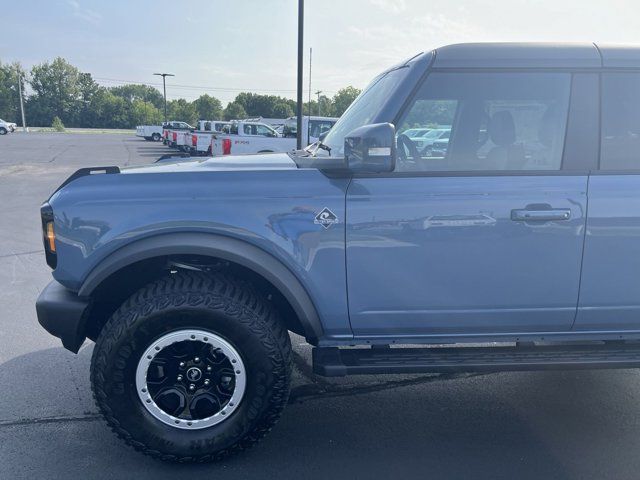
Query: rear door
[[610, 292], [486, 238]]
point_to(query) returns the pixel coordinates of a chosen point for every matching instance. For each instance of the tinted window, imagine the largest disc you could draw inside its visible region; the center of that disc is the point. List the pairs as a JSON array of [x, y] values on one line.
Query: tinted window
[[620, 143], [493, 121]]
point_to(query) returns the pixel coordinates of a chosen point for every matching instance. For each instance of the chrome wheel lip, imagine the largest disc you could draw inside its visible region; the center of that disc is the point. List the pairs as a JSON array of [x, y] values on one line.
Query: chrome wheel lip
[[190, 335]]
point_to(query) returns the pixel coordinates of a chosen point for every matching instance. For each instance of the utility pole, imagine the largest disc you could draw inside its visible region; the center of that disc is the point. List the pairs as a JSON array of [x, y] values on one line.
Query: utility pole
[[24, 125], [309, 111], [164, 87], [318, 94], [299, 86]]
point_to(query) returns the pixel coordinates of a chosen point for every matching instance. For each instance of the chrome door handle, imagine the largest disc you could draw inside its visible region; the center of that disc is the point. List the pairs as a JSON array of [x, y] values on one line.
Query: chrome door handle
[[524, 215]]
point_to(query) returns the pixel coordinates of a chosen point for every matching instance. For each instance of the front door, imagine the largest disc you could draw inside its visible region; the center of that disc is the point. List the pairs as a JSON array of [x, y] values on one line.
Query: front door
[[484, 235]]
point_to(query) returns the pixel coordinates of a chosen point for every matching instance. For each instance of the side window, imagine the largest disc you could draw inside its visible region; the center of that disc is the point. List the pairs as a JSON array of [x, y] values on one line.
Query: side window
[[264, 131], [620, 142], [486, 121], [233, 129]]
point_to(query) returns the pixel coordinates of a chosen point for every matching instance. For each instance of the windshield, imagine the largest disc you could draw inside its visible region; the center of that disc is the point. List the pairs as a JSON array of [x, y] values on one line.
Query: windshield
[[362, 111]]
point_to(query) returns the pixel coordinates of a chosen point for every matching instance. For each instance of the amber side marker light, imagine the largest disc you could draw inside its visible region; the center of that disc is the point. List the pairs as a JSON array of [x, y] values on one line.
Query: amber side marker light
[[51, 237]]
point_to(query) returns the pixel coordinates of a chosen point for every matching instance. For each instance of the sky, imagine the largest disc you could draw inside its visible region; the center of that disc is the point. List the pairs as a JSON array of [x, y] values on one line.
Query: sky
[[224, 47]]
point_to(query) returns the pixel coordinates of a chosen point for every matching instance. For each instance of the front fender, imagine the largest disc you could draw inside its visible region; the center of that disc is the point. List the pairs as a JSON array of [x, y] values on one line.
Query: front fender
[[218, 246]]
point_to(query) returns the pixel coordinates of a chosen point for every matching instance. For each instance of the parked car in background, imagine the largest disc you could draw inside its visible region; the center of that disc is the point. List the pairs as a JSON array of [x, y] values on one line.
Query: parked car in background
[[312, 128], [200, 142], [170, 128], [437, 148], [250, 137], [428, 138], [6, 127], [149, 132]]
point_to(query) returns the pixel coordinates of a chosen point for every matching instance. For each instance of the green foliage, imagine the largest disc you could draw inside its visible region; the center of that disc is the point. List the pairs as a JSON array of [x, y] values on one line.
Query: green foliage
[[343, 99], [60, 90], [144, 93], [57, 124], [9, 96], [234, 111], [182, 110], [208, 108]]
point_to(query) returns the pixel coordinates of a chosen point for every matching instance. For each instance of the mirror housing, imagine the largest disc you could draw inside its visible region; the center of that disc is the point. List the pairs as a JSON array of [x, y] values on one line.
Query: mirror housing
[[371, 149]]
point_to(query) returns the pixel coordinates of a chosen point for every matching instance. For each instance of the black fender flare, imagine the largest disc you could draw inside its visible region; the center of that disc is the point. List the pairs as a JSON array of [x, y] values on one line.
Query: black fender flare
[[219, 246]]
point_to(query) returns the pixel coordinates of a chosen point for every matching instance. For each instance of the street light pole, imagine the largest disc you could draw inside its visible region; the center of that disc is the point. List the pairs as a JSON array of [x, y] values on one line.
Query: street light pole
[[300, 45], [164, 88], [24, 125]]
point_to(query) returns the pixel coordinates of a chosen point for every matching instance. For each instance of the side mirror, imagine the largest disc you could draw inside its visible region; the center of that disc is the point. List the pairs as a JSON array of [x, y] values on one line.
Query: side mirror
[[371, 148]]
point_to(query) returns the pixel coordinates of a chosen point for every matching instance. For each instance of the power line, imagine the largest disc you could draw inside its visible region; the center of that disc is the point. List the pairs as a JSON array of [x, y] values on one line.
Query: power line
[[199, 87]]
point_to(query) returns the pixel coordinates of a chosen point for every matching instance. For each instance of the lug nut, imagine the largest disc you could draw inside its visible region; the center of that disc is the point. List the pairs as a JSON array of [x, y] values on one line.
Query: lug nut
[[182, 364], [197, 359], [192, 387], [209, 368], [179, 378], [207, 382]]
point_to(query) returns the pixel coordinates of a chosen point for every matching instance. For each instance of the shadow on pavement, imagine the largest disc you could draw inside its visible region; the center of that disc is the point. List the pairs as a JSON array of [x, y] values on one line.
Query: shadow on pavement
[[527, 425]]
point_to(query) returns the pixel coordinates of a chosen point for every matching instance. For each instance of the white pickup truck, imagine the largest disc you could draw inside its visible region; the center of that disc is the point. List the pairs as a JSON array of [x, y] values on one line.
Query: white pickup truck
[[171, 129], [250, 137], [149, 132], [6, 127], [201, 139]]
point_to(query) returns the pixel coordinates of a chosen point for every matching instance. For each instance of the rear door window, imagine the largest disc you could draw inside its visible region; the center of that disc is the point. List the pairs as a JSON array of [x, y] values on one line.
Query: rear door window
[[620, 136]]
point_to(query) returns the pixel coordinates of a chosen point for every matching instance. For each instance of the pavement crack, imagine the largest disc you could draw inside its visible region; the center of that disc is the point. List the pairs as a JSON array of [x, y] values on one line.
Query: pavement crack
[[327, 390], [64, 150], [57, 419]]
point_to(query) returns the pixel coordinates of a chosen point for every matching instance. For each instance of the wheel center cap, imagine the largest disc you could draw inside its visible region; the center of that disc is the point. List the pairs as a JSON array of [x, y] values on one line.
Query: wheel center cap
[[194, 374]]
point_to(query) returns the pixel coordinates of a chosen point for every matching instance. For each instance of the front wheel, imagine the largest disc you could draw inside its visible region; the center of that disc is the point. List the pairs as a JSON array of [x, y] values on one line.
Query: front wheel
[[3, 131], [192, 367], [156, 137]]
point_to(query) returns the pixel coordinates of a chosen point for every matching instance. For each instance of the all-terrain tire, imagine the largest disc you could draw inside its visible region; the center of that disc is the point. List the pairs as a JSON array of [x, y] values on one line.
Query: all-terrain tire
[[223, 305]]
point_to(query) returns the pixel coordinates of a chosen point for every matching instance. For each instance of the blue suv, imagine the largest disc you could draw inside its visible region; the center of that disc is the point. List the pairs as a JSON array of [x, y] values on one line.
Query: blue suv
[[524, 231]]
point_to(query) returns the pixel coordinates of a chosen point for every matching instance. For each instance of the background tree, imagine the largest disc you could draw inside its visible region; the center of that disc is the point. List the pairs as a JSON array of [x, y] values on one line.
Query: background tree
[[234, 111], [208, 108], [57, 92], [59, 89], [343, 99], [182, 110], [9, 98], [144, 93]]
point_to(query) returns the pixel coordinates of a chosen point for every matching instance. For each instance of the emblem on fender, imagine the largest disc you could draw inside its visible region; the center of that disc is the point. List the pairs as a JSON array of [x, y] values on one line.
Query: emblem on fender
[[326, 218]]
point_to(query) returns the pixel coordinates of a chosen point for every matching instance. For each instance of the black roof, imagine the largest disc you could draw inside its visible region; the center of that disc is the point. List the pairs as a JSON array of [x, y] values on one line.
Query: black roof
[[541, 55]]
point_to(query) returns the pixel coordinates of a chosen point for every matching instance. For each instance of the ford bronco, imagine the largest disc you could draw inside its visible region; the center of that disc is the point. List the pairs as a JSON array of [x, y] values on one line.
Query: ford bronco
[[516, 248]]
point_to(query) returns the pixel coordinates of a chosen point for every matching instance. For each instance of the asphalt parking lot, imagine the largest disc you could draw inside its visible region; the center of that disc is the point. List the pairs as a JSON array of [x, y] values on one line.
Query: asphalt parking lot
[[511, 425]]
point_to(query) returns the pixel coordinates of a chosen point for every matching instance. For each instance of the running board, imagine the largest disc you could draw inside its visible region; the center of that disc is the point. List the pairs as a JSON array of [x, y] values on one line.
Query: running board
[[338, 362]]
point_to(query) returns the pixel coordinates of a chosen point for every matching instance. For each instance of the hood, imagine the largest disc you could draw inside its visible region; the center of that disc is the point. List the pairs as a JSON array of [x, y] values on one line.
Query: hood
[[259, 161]]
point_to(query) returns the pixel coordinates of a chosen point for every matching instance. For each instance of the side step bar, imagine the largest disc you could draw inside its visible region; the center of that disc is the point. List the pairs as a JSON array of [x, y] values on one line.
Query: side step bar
[[338, 362]]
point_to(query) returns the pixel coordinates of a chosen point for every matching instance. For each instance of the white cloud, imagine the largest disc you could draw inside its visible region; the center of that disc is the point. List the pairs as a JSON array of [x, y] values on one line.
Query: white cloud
[[392, 6], [85, 14]]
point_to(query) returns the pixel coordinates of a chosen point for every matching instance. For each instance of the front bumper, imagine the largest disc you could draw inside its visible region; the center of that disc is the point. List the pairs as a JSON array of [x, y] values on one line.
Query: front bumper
[[63, 314]]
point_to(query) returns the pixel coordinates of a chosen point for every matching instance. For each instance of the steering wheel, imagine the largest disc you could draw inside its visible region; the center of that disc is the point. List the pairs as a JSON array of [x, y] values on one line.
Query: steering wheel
[[405, 142]]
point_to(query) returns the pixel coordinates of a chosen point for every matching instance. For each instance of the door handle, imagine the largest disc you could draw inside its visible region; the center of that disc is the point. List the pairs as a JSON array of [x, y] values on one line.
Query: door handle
[[524, 215]]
